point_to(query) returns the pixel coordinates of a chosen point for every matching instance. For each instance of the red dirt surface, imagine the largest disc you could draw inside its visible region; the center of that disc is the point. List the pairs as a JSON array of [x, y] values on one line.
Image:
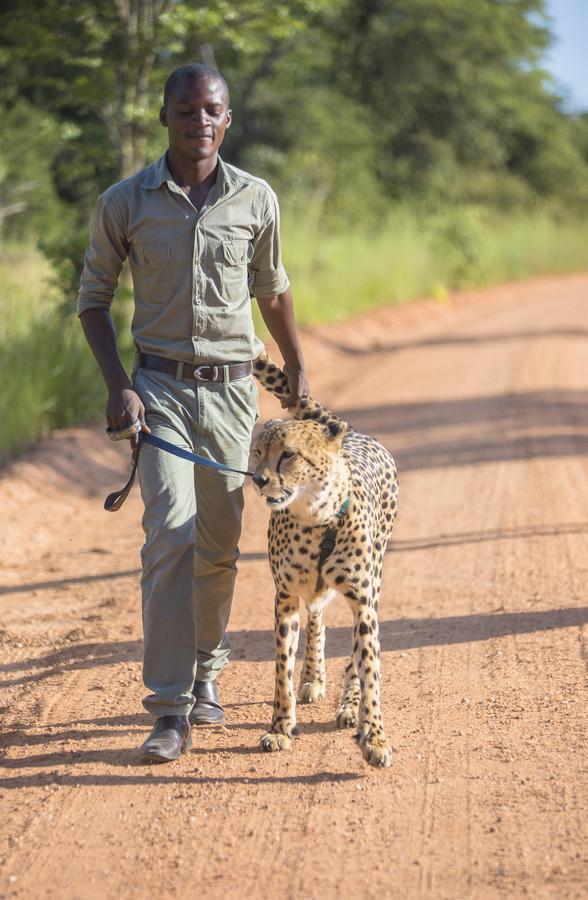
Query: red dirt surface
[[484, 403]]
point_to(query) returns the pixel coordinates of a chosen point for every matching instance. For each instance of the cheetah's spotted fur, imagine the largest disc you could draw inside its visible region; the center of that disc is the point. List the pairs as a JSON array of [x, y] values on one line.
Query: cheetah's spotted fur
[[305, 468]]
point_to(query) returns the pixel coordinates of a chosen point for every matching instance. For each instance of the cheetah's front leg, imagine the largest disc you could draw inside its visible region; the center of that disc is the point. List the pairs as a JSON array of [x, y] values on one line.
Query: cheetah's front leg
[[286, 642], [313, 679]]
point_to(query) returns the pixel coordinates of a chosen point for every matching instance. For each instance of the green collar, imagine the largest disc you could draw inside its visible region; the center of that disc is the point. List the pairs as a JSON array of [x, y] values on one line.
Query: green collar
[[327, 544]]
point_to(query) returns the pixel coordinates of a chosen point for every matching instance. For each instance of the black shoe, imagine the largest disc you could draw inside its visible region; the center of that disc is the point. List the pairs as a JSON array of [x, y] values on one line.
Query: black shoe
[[168, 740], [207, 710]]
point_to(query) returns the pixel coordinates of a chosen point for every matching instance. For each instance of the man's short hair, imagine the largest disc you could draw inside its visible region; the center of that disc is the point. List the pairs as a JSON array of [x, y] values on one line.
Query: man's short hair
[[193, 70]]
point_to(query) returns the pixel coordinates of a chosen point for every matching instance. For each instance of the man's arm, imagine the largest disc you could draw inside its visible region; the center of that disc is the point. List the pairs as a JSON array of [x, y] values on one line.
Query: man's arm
[[102, 266], [124, 405], [278, 314]]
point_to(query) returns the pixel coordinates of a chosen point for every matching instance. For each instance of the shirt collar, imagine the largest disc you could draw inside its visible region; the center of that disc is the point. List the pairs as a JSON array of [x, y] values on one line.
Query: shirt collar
[[158, 173]]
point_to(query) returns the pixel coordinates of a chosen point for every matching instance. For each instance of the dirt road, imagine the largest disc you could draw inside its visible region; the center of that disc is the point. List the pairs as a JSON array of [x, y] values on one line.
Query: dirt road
[[484, 403]]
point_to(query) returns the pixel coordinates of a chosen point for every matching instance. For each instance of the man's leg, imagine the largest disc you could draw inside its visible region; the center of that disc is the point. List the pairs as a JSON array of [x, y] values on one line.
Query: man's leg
[[167, 488], [227, 414], [218, 527]]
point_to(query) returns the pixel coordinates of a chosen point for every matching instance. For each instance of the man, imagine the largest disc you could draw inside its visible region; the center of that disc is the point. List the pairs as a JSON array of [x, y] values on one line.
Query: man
[[200, 236]]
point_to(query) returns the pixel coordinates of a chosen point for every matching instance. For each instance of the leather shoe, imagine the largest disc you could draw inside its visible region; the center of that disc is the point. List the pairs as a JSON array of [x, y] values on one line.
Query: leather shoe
[[168, 740], [207, 710]]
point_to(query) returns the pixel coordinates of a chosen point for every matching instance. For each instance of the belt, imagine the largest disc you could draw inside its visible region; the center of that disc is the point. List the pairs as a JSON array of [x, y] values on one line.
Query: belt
[[203, 372]]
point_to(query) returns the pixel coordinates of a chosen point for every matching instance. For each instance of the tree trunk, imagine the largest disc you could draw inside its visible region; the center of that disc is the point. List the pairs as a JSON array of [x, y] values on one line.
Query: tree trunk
[[139, 25]]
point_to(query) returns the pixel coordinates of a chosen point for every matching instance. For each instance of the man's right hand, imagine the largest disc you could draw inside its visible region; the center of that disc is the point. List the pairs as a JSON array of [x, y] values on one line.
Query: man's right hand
[[125, 407]]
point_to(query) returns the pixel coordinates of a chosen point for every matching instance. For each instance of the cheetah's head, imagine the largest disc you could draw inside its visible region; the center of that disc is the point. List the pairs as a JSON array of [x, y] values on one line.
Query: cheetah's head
[[298, 463]]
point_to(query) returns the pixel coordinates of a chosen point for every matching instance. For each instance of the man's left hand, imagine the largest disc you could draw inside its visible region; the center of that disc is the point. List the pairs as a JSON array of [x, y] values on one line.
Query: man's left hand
[[297, 385]]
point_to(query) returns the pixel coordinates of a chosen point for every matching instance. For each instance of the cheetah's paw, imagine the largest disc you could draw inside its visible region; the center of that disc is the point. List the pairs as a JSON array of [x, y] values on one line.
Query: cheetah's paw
[[311, 691], [273, 740], [377, 753], [346, 716]]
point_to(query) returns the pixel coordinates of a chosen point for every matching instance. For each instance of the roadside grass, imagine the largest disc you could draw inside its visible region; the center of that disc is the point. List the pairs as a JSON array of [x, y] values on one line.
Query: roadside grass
[[336, 275], [50, 379]]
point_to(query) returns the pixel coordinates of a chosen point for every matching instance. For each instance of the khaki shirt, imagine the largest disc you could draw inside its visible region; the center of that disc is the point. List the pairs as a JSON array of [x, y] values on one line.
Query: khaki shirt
[[193, 272]]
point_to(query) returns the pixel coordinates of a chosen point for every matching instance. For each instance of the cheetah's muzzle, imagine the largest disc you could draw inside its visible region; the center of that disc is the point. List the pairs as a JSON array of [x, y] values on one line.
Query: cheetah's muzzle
[[274, 501]]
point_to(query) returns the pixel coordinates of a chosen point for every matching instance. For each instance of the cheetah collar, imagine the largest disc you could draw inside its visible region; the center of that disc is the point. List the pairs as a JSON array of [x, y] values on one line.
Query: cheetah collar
[[327, 544]]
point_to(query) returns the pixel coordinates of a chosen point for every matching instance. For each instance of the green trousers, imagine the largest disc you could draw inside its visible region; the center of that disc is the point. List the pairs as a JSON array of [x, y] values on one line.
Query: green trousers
[[192, 524]]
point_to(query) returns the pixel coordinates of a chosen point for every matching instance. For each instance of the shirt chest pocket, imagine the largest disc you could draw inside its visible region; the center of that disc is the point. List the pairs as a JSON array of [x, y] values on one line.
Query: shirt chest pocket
[[234, 269], [150, 255]]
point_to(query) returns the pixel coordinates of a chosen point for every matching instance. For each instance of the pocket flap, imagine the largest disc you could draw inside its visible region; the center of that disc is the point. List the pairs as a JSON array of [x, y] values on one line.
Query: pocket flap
[[235, 252], [152, 255]]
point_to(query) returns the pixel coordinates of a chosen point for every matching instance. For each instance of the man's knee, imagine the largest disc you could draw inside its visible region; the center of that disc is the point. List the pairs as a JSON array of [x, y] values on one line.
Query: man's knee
[[215, 560]]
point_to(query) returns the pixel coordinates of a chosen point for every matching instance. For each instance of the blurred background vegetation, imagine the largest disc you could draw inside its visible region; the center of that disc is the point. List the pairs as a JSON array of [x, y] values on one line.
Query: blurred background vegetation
[[416, 146]]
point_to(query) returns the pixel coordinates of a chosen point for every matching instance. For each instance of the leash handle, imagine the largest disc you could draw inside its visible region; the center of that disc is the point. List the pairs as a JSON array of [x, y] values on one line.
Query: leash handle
[[124, 433]]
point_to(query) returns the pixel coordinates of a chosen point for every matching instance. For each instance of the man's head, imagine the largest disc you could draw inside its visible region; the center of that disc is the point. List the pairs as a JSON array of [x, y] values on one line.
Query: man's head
[[195, 111]]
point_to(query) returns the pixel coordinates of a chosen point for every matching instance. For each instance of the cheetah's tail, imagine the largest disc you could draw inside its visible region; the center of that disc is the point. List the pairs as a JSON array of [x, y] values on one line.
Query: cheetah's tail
[[272, 378]]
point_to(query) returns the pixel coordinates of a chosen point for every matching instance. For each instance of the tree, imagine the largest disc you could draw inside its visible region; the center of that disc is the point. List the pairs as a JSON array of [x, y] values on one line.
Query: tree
[[453, 86], [95, 63]]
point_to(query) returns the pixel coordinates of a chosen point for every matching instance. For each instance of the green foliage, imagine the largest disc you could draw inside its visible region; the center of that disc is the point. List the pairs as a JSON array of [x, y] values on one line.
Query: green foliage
[[330, 174], [28, 141], [348, 102], [62, 385], [336, 273], [418, 145], [66, 254]]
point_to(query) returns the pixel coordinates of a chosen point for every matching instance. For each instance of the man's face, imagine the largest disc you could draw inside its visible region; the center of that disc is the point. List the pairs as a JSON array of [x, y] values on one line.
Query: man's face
[[196, 116]]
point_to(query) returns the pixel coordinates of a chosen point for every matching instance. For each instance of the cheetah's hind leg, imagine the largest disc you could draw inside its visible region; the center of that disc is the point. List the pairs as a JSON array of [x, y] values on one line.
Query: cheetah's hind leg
[[348, 710]]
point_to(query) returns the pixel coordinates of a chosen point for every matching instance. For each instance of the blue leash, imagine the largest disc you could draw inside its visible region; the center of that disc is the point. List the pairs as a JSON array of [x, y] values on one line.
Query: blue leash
[[186, 454], [115, 500]]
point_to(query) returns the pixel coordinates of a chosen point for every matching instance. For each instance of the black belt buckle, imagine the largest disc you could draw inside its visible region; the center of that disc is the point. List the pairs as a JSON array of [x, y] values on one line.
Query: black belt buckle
[[200, 377]]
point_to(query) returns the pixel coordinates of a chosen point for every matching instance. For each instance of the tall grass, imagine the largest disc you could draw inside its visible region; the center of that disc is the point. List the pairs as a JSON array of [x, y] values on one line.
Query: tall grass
[[49, 378], [409, 256]]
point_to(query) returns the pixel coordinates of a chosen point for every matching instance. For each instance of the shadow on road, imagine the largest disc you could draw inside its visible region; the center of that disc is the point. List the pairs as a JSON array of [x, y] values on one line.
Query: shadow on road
[[452, 340], [258, 645], [408, 634], [57, 583], [476, 430], [462, 538], [148, 778], [395, 635]]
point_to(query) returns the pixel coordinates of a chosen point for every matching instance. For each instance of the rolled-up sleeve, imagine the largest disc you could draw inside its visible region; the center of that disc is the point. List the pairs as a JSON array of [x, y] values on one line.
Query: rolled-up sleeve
[[267, 275], [105, 256]]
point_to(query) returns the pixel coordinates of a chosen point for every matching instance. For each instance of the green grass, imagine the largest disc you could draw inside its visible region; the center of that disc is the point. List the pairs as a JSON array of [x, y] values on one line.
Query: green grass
[[337, 275], [50, 379]]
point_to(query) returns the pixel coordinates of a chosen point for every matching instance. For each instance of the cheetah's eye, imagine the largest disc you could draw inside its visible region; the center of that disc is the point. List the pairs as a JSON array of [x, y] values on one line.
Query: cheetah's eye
[[285, 457]]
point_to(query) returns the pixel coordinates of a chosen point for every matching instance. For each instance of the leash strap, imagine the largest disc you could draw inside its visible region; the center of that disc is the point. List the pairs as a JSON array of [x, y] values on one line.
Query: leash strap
[[327, 545], [115, 500], [186, 454]]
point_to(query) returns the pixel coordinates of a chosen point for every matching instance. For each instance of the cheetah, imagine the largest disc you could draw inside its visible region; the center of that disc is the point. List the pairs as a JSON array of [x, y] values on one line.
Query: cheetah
[[333, 496]]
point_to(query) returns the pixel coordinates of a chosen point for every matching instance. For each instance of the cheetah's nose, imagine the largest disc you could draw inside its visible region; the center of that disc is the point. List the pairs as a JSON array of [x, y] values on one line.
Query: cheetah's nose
[[260, 480]]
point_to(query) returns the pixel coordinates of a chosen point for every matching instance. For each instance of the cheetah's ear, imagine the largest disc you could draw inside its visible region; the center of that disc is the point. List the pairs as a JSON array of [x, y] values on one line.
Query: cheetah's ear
[[336, 429], [271, 423]]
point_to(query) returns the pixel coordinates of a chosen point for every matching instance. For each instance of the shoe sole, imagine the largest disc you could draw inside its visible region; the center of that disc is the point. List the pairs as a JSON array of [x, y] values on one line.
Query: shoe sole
[[202, 720], [159, 758]]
